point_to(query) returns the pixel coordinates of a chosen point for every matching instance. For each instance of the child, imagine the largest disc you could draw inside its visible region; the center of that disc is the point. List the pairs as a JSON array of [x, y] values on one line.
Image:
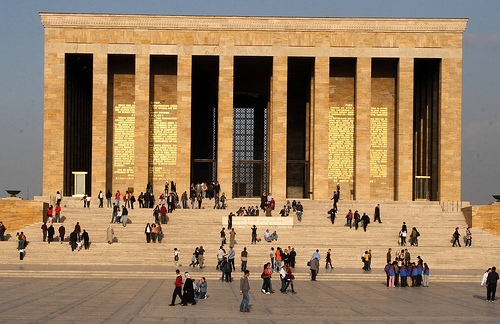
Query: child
[[193, 260], [78, 245], [176, 257], [203, 288]]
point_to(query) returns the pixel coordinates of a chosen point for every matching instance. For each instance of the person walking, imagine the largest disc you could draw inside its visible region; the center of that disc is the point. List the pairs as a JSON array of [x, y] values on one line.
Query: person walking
[[366, 220], [491, 283], [300, 210], [456, 238], [178, 288], [329, 259], [245, 291], [377, 214]]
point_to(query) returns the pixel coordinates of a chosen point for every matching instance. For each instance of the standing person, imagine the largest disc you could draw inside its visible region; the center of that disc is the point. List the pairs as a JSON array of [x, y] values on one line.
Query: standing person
[[201, 257], [266, 276], [188, 291], [389, 256], [230, 220], [485, 277], [491, 282], [108, 199], [58, 198], [100, 196], [110, 232], [456, 238], [147, 231], [279, 258], [254, 234], [349, 218], [50, 232], [329, 259], [426, 272], [300, 210], [357, 219], [244, 259], [232, 238], [313, 266], [366, 220], [402, 235], [124, 215], [178, 288], [44, 231], [332, 212], [272, 254], [292, 257], [245, 291], [364, 258], [289, 279], [159, 233], [230, 257], [377, 214], [176, 257], [2, 231], [283, 278], [369, 260], [62, 232], [86, 240], [468, 237], [58, 213], [118, 198], [223, 236]]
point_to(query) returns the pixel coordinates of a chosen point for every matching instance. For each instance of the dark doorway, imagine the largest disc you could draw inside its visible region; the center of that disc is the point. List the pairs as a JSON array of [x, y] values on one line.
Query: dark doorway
[[252, 83], [205, 89], [426, 129], [77, 120], [300, 73]]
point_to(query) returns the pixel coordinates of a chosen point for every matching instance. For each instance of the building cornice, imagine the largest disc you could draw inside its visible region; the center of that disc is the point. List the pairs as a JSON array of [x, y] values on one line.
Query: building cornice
[[274, 24]]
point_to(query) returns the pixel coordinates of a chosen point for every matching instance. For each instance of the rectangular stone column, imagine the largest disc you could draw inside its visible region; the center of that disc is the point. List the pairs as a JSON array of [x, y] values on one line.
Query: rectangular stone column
[[404, 129], [225, 125], [53, 126], [450, 126], [362, 129], [99, 123], [141, 141], [277, 128], [319, 129], [183, 170]]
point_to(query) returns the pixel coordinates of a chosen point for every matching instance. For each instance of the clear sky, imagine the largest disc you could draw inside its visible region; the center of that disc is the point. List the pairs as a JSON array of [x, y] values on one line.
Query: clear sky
[[21, 72]]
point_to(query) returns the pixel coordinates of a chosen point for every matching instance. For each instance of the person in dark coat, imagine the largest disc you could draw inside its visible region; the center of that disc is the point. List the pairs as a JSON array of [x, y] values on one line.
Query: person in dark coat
[[62, 232], [366, 220], [73, 238], [86, 240], [188, 291], [50, 232]]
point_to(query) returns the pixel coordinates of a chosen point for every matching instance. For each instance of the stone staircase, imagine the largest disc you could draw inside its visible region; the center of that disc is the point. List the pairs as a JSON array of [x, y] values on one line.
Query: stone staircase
[[189, 228]]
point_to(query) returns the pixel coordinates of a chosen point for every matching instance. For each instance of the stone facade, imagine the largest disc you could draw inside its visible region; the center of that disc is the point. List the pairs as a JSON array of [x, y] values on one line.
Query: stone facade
[[359, 129]]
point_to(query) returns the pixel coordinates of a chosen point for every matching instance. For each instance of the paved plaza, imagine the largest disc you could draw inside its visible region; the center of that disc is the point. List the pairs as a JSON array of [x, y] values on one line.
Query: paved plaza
[[50, 294]]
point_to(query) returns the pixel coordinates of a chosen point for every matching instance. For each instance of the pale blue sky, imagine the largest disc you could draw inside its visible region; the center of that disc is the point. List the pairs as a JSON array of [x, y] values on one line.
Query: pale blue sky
[[21, 73]]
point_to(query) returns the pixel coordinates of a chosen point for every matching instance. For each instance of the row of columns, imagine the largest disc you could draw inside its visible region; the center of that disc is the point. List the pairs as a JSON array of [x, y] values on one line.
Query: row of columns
[[450, 114]]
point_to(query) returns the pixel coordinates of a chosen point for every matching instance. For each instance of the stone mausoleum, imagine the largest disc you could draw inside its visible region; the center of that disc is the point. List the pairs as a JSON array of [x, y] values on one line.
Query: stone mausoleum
[[285, 105]]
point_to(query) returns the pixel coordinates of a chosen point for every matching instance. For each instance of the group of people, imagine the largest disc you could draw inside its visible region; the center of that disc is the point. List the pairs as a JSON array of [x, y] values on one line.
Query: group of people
[[355, 219], [153, 232], [402, 272], [455, 238], [403, 235], [191, 291]]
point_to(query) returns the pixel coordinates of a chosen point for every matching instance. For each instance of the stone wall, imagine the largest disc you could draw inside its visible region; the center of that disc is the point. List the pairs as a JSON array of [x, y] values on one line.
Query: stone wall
[[485, 217], [18, 213]]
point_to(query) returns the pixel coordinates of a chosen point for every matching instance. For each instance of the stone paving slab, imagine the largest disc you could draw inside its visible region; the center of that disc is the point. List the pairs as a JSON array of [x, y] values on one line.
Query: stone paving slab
[[89, 300]]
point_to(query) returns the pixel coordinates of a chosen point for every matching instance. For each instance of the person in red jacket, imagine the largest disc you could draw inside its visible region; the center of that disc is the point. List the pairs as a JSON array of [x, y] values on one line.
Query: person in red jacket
[[58, 213], [178, 287]]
